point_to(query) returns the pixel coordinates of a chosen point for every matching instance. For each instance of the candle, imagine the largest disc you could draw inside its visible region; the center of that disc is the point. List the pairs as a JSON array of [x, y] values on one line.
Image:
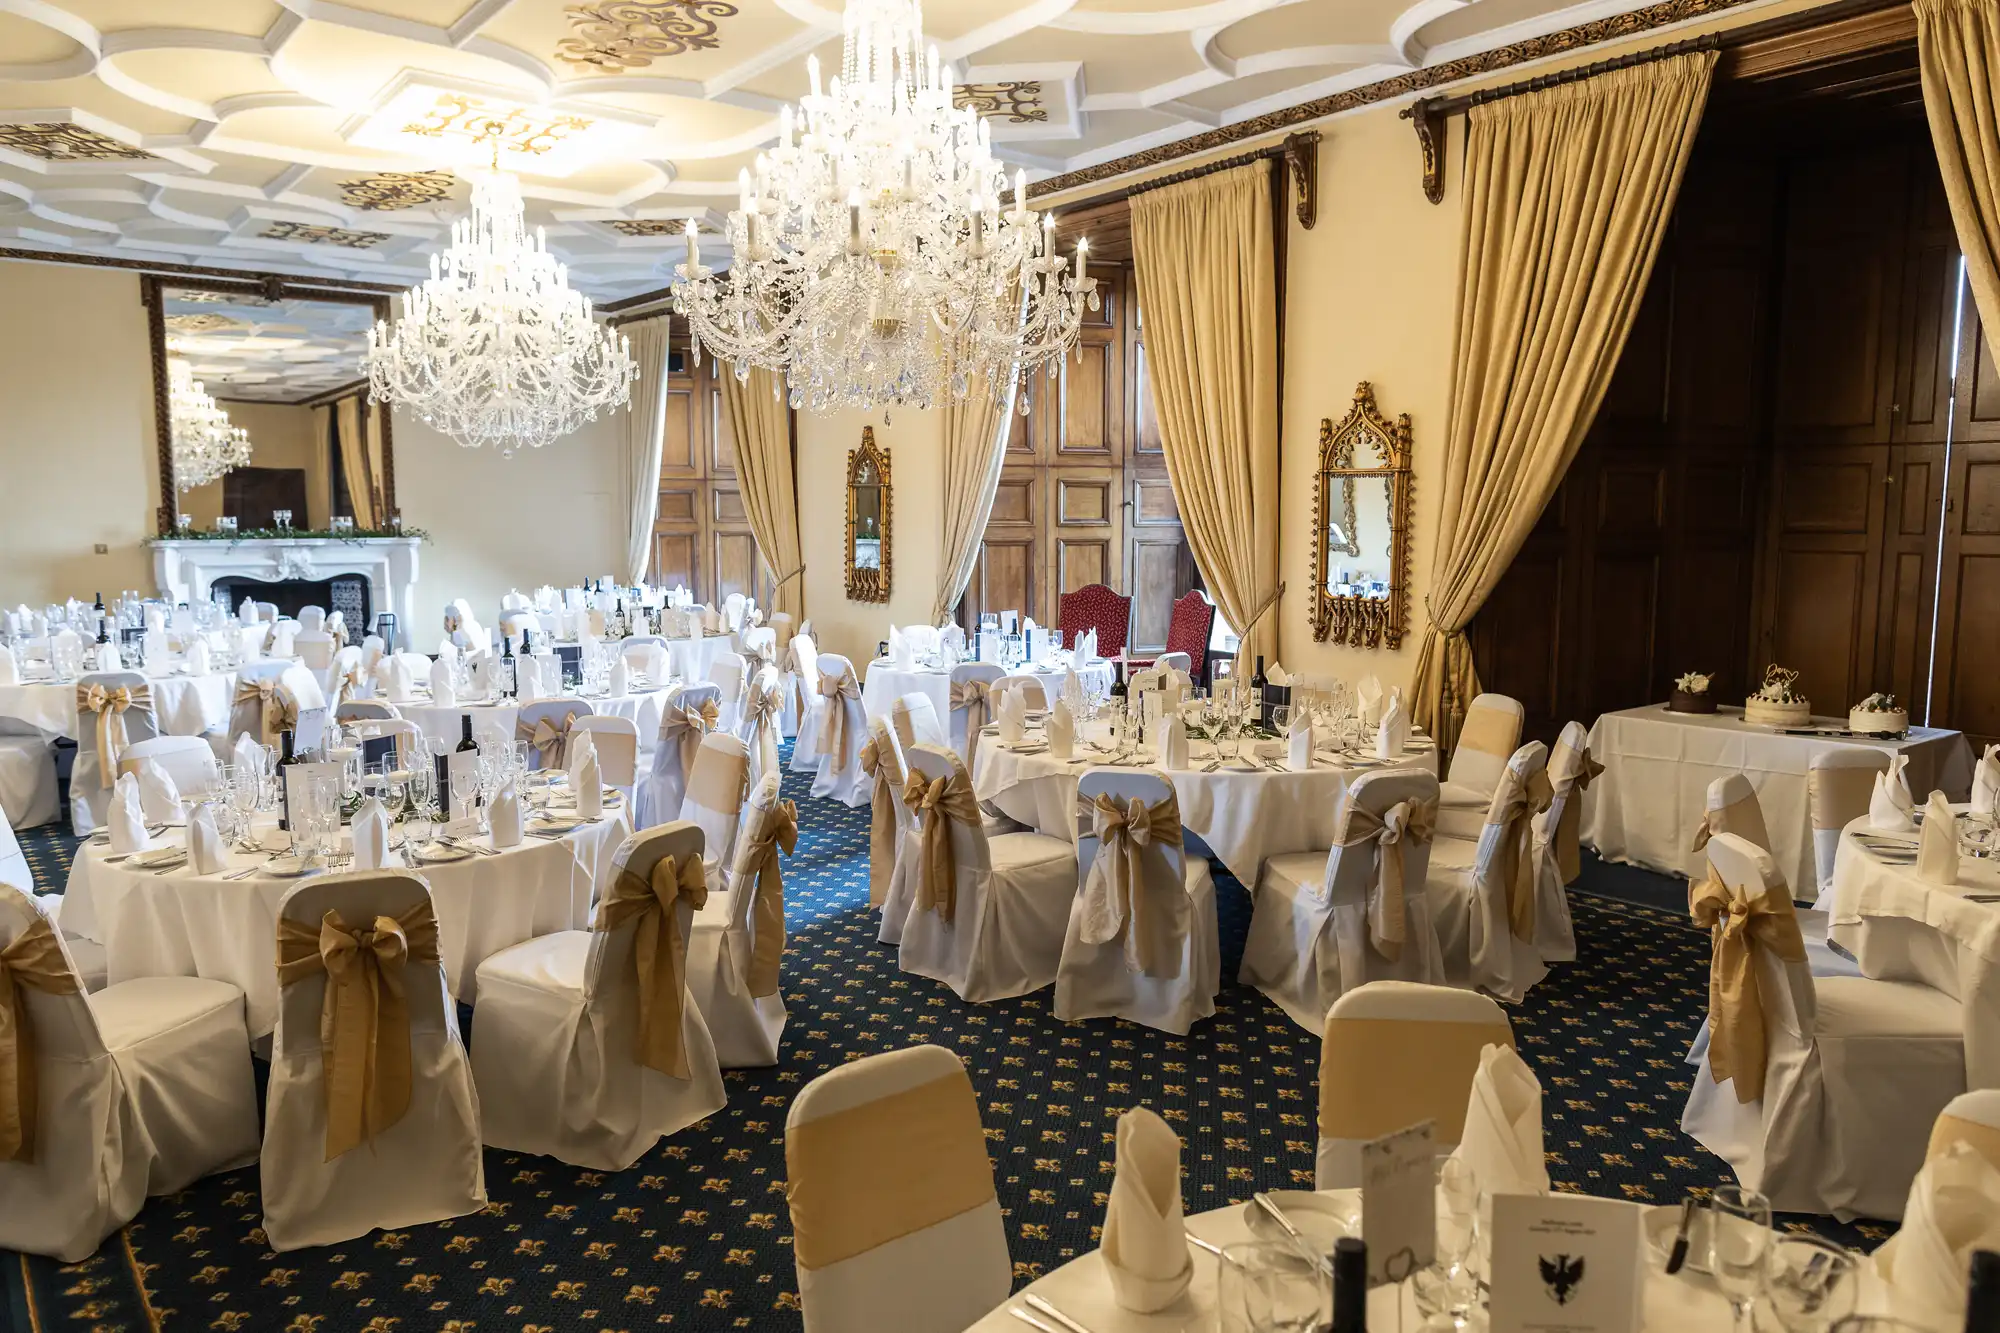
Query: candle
[[854, 222], [812, 73], [785, 127], [1082, 248], [694, 247], [1020, 191]]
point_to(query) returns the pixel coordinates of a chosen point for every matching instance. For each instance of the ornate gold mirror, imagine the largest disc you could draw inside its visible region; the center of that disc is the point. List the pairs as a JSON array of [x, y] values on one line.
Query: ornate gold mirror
[[1361, 527], [868, 521]]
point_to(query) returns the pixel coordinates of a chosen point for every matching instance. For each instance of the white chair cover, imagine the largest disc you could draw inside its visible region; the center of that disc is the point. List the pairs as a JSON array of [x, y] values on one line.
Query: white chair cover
[[28, 791], [188, 760], [739, 938], [1035, 695], [889, 822], [356, 710], [315, 650], [1571, 771], [1732, 807], [726, 673], [1312, 932], [89, 792], [1001, 932], [842, 717], [971, 684], [1839, 780], [1488, 920], [312, 617], [424, 1167], [894, 1218], [804, 703], [716, 786], [142, 1089], [916, 721], [617, 742], [1491, 734], [763, 708], [1103, 979], [646, 656], [560, 716], [665, 784], [557, 1051]]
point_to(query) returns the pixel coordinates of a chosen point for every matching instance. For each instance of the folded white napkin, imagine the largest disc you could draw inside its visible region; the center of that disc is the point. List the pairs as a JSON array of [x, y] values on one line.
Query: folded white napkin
[[1173, 751], [198, 658], [10, 669], [1368, 700], [246, 754], [153, 651], [508, 825], [108, 658], [1394, 729], [1072, 692], [281, 642], [443, 693], [1086, 648], [1278, 676], [1890, 803], [1937, 849], [621, 679], [1145, 1237], [1954, 1209], [156, 619], [371, 835], [205, 850], [1503, 1126], [247, 613], [1013, 714], [1986, 782], [1061, 731], [398, 681], [1300, 742], [124, 819], [528, 677], [582, 745], [588, 784], [159, 798]]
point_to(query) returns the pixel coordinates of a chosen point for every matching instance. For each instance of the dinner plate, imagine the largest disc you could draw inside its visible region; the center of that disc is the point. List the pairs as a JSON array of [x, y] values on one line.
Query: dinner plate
[[286, 866], [435, 853], [1319, 1217], [554, 825], [157, 857]]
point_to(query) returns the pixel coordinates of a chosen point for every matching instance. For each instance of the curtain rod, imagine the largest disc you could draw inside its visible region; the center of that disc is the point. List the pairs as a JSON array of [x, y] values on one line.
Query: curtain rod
[[1299, 152]]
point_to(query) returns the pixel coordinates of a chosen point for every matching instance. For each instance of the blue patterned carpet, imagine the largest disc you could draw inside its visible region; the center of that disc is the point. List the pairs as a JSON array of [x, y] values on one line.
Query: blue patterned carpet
[[696, 1235]]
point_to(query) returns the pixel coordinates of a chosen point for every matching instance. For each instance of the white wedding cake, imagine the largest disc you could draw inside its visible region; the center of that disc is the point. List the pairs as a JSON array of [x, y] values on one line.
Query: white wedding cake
[[1778, 703], [1878, 713]]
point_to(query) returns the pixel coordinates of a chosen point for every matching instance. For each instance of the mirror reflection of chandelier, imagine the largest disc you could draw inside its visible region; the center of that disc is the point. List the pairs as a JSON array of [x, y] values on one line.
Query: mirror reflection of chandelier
[[496, 348], [205, 445], [874, 264]]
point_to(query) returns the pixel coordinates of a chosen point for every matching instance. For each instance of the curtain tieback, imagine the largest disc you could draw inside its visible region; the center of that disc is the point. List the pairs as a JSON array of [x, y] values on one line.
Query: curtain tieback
[[1263, 608]]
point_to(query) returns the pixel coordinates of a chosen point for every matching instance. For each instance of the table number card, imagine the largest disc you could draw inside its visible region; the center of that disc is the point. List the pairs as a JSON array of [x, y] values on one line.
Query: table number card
[[1399, 1203], [1565, 1263]]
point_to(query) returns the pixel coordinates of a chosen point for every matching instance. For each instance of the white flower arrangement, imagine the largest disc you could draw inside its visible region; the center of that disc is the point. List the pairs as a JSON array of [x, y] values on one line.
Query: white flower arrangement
[[1694, 682], [1878, 703]]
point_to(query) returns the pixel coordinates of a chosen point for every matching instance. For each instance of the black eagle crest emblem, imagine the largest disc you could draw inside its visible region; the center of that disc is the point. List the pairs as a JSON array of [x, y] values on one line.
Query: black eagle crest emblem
[[1561, 1275]]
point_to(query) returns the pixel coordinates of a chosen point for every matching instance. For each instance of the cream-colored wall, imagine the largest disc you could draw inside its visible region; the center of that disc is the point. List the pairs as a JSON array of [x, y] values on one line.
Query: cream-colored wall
[[78, 458], [281, 435]]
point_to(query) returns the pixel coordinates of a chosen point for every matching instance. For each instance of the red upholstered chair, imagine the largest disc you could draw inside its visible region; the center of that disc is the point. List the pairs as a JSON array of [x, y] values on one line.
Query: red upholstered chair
[[1096, 607], [1187, 632]]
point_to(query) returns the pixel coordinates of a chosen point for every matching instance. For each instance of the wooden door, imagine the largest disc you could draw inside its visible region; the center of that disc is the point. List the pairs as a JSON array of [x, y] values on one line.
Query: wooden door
[[1159, 565], [1965, 688], [1008, 573], [701, 533]]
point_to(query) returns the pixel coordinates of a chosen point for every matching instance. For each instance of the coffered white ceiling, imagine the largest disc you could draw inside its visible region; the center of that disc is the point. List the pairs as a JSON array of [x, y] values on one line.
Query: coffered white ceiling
[[319, 138]]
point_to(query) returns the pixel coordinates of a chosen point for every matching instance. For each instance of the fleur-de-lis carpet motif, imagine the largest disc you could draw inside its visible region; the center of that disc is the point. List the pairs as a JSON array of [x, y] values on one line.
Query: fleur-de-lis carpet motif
[[696, 1235]]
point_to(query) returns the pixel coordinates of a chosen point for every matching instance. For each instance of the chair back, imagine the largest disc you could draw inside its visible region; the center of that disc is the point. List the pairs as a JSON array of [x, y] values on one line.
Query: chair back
[[315, 649], [616, 740], [732, 611], [355, 710], [1188, 631], [781, 627], [188, 760], [267, 612], [804, 656], [1840, 779], [763, 714], [14, 867], [726, 672], [1034, 694], [312, 617], [647, 656], [1571, 770], [714, 799], [141, 724], [1181, 662], [409, 736], [372, 648], [845, 730], [610, 983], [1096, 607], [561, 714], [1782, 986], [1393, 1053], [888, 1150], [916, 721], [1972, 1118], [969, 710], [1353, 867], [1160, 932], [65, 1030], [968, 838], [284, 638], [1733, 808], [1491, 734], [760, 644], [760, 814]]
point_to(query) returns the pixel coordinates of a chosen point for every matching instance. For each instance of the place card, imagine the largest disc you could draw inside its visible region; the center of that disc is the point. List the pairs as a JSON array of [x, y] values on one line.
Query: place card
[[1399, 1202], [462, 773], [1566, 1263]]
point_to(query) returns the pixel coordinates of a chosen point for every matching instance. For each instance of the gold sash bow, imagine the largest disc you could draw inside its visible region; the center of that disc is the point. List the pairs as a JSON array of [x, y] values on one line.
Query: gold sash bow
[[1569, 859], [1394, 830], [364, 1021], [760, 712], [767, 909], [833, 738], [1737, 929], [940, 802], [548, 739], [347, 684], [656, 952], [1530, 797], [34, 960], [1118, 877], [881, 821], [277, 710], [110, 706], [970, 695], [685, 727]]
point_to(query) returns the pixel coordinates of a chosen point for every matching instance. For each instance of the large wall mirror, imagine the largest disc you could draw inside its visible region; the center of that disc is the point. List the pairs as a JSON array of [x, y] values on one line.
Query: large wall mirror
[[1361, 525], [282, 362], [869, 511]]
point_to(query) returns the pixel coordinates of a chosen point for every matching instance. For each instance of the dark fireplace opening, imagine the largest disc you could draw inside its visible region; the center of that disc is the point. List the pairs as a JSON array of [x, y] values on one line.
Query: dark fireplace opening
[[346, 593]]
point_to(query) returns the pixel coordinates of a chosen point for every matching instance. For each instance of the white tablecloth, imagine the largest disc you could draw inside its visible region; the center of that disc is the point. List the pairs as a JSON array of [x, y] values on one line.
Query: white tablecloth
[[690, 659], [184, 925], [1244, 817], [1901, 927], [495, 721], [1657, 767], [885, 684], [185, 705]]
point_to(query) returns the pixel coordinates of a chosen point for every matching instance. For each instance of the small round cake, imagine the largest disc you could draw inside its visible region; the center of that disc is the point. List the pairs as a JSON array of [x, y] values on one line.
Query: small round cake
[[1691, 694], [1778, 703], [1878, 714]]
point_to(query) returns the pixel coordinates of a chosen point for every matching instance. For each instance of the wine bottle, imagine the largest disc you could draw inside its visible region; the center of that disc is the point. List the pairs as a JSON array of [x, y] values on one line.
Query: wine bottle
[[505, 685], [285, 760], [1350, 1285], [1982, 1302], [465, 746], [1257, 705]]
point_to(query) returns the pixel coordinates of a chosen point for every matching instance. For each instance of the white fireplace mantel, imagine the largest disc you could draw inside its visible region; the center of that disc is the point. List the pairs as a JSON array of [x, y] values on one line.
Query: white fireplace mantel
[[186, 567]]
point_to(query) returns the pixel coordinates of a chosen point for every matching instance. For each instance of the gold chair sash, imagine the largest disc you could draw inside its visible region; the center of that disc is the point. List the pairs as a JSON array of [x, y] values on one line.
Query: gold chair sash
[[684, 726], [760, 713], [881, 821], [767, 909], [364, 1021], [1118, 872], [656, 952], [1569, 858], [277, 710], [550, 741], [834, 742], [1738, 927], [939, 803], [347, 684], [1394, 829], [970, 695], [34, 960], [1526, 798], [110, 706]]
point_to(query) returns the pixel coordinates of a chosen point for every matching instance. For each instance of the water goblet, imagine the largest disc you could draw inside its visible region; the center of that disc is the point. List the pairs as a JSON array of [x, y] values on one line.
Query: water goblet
[[1270, 1287], [1739, 1246], [1811, 1282]]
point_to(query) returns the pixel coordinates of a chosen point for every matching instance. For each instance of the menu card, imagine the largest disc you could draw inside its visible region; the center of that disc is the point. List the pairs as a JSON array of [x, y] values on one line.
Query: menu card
[[1399, 1203], [1566, 1263]]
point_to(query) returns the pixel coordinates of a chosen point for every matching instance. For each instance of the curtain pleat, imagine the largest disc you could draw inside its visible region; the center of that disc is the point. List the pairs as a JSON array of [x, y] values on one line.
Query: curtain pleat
[[645, 436], [761, 424], [975, 446], [1958, 55], [354, 459]]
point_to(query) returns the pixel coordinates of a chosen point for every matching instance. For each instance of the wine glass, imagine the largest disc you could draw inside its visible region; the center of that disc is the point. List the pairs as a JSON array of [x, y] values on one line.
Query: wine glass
[[1270, 1287], [1811, 1282], [246, 783], [1739, 1246]]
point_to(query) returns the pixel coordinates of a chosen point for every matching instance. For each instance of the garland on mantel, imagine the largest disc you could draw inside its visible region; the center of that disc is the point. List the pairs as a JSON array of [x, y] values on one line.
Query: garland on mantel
[[355, 535]]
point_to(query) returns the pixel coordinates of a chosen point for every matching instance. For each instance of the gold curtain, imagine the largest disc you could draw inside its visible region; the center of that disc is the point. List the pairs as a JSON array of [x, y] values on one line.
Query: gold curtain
[[761, 424], [975, 445], [1958, 54], [354, 458], [645, 437], [1567, 192], [1207, 275]]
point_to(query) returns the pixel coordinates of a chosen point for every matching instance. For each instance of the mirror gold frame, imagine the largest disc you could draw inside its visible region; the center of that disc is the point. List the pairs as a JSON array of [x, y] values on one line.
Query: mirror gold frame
[[1362, 622], [870, 585]]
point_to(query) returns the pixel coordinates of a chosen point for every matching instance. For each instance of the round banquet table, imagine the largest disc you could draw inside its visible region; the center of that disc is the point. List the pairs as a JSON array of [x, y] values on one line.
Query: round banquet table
[[185, 705], [1902, 927], [886, 684], [1244, 814], [1081, 1289], [690, 659], [494, 719], [179, 924]]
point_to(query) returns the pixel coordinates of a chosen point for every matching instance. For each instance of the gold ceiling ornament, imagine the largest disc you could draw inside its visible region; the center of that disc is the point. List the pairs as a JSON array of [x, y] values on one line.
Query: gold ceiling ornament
[[1018, 103], [648, 226], [387, 191], [68, 143], [511, 129], [203, 323], [318, 235], [631, 34]]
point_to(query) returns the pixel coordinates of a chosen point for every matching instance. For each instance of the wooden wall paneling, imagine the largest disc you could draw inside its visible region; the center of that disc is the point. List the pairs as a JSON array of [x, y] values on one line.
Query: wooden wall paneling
[[1965, 686], [1008, 572], [1085, 529], [1159, 566]]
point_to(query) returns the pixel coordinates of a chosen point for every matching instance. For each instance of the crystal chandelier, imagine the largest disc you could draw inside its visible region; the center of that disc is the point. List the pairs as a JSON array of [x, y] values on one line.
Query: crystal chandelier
[[205, 445], [496, 347], [873, 264]]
